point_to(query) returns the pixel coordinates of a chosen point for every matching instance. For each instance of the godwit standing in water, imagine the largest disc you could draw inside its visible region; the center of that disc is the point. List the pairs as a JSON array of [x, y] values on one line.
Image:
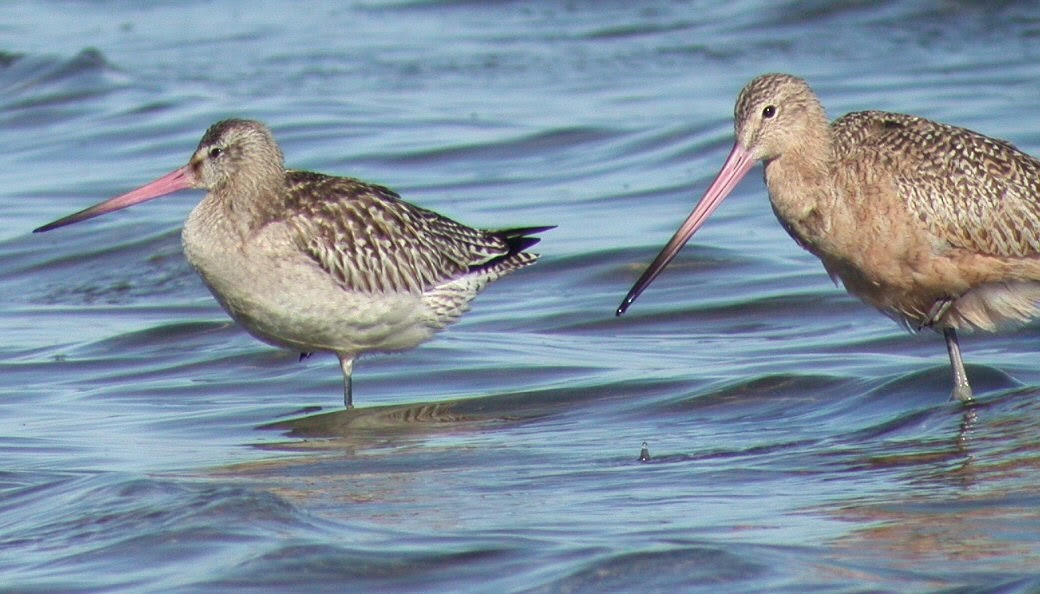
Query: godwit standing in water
[[936, 226], [311, 262]]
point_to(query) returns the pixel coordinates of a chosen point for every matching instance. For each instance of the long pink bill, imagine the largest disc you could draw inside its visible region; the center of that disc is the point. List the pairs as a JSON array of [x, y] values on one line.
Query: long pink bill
[[181, 179], [733, 170]]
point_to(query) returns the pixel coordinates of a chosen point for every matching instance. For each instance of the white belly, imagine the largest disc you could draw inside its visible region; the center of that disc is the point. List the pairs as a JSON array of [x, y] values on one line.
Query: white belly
[[284, 298]]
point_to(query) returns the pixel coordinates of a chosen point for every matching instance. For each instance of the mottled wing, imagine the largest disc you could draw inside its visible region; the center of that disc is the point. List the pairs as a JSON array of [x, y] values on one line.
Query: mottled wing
[[370, 240], [972, 191]]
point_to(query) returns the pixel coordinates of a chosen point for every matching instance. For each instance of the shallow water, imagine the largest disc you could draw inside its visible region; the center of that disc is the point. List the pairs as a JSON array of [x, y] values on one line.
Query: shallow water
[[798, 440]]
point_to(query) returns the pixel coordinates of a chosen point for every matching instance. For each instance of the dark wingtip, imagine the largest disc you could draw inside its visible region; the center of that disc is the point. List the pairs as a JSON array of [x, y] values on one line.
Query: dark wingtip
[[531, 230], [520, 231], [519, 239]]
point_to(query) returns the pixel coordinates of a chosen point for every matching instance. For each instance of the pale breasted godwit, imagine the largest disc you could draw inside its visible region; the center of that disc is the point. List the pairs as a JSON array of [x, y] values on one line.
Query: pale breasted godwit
[[312, 262]]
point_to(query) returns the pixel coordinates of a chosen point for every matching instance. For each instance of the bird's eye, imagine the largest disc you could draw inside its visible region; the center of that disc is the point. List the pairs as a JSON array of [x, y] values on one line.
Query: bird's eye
[[215, 152], [769, 111]]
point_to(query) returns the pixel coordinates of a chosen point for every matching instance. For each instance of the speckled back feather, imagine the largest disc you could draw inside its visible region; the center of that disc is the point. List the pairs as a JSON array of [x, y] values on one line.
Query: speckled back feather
[[974, 192], [370, 240]]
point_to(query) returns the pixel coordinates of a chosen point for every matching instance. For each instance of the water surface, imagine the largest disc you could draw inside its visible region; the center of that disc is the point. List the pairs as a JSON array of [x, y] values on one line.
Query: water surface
[[799, 440]]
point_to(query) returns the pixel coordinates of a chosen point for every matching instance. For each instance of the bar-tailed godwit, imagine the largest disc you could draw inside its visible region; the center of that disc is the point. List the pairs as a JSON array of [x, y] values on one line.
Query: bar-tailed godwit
[[312, 262]]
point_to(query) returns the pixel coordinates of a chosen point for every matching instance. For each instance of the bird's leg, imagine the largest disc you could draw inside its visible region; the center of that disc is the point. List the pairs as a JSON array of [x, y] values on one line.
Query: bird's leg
[[961, 387], [346, 362], [938, 310]]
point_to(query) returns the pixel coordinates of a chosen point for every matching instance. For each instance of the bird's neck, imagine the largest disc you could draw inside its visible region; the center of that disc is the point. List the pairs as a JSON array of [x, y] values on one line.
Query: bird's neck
[[800, 190], [244, 205]]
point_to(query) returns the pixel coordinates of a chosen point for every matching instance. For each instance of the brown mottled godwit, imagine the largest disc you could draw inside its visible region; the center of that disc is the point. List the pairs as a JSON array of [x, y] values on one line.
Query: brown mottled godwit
[[936, 226], [312, 262]]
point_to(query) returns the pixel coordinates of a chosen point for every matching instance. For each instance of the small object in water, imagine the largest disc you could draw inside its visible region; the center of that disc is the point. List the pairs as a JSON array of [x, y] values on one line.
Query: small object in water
[[644, 453]]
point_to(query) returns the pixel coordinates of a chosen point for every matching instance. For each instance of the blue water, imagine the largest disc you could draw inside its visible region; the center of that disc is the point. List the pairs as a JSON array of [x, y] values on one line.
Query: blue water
[[799, 441]]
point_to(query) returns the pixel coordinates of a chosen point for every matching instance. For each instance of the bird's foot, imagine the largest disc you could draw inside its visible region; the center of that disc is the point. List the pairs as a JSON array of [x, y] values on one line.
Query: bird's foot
[[962, 392], [936, 313]]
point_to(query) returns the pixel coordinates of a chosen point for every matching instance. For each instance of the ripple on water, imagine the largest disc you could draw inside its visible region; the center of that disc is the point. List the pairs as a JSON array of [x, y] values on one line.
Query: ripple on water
[[100, 531], [42, 89], [798, 440]]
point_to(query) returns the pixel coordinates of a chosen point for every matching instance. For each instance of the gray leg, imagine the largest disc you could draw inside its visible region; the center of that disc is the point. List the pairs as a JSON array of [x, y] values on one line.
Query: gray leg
[[961, 387], [346, 363]]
